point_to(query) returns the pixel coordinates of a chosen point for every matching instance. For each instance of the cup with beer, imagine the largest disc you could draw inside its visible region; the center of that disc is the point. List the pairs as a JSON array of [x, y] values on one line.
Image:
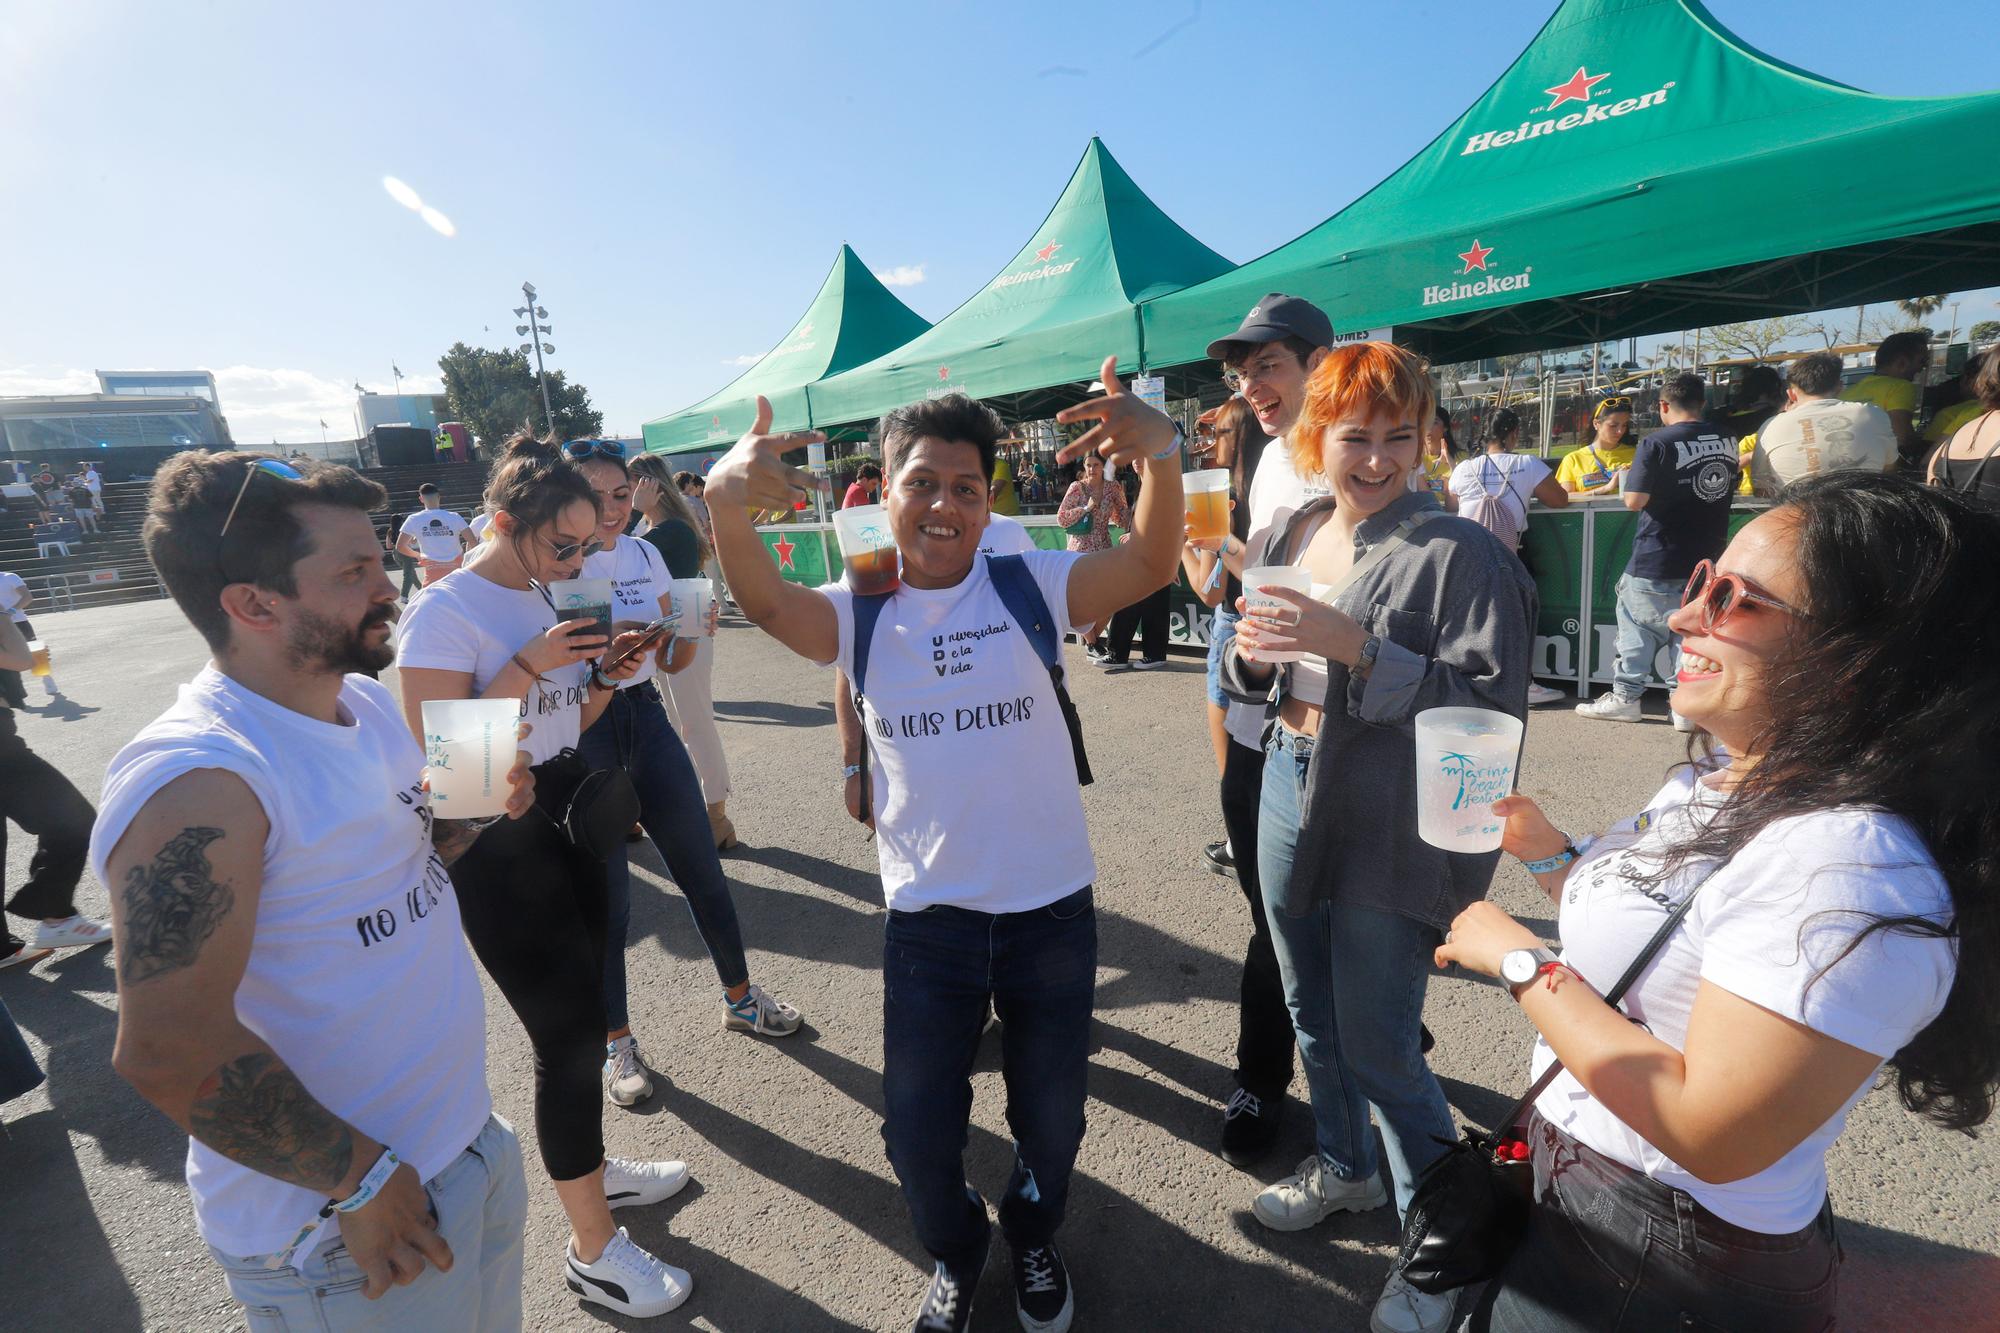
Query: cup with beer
[[867, 549], [40, 651], [1207, 498]]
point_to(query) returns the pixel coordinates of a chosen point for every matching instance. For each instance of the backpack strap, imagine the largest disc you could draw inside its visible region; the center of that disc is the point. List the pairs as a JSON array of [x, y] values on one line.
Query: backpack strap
[[867, 612], [1022, 597]]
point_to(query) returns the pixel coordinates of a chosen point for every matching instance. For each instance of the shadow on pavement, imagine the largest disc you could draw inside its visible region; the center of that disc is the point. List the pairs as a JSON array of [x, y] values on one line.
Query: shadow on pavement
[[1894, 1280], [865, 887], [762, 712], [49, 1213]]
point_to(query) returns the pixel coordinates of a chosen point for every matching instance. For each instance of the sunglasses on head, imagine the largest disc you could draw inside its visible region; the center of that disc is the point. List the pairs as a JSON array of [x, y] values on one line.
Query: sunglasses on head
[[1611, 405], [579, 450], [271, 465], [1722, 595]]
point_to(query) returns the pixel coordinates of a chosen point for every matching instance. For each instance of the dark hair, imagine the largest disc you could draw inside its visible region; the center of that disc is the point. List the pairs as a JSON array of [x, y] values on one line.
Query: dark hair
[[1759, 382], [1239, 352], [1503, 423], [868, 472], [684, 478], [1910, 343], [1985, 382], [1817, 375], [191, 496], [1450, 440], [1237, 424], [534, 482], [952, 417], [1687, 391], [1876, 702], [428, 488]]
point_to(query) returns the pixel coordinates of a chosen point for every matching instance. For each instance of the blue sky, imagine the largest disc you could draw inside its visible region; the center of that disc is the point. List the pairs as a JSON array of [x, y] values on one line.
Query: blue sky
[[202, 186]]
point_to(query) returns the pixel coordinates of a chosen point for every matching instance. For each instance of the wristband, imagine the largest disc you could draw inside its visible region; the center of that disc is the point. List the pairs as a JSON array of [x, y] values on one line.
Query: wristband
[[521, 662], [849, 771], [371, 1184], [602, 681], [1549, 864], [1172, 449]]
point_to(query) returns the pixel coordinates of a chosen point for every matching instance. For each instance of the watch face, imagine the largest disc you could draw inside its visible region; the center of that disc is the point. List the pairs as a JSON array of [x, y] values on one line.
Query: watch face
[[1518, 967]]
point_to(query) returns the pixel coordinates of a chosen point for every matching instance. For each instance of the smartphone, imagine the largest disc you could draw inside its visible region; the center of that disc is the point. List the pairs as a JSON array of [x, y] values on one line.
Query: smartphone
[[653, 632]]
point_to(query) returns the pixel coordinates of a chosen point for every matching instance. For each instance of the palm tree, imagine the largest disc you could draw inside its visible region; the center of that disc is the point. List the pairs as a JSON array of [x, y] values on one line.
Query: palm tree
[[1919, 308]]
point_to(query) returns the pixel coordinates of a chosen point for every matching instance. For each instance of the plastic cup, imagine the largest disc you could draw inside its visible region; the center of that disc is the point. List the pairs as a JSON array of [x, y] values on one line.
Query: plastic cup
[[470, 745], [579, 599], [867, 549], [41, 652], [1256, 604], [1206, 496], [692, 598], [1465, 762]]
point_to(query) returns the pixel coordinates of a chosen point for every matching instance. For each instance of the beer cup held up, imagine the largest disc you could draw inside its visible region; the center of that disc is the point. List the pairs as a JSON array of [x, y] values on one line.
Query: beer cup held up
[[41, 652], [1207, 501], [867, 549]]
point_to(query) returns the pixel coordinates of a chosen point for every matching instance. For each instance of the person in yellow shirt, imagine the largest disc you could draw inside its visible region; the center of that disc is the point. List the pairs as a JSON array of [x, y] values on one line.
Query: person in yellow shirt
[[1945, 424], [1592, 469], [1899, 359], [1440, 456]]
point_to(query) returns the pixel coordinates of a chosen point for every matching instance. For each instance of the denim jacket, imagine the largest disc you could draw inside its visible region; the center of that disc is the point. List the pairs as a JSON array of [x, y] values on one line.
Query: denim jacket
[[1454, 611]]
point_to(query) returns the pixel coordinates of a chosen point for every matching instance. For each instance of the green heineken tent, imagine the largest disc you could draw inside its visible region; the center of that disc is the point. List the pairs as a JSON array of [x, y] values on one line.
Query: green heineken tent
[[1042, 327], [1637, 169], [853, 318]]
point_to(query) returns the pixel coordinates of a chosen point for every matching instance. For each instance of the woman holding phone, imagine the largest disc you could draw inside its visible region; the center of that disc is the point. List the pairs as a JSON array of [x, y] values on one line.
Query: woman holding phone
[[532, 898], [633, 734]]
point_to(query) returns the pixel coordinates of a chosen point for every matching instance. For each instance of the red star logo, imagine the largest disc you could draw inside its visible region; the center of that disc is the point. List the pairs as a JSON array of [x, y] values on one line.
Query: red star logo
[[1046, 251], [784, 551], [1475, 258], [715, 421], [944, 372], [1577, 89]]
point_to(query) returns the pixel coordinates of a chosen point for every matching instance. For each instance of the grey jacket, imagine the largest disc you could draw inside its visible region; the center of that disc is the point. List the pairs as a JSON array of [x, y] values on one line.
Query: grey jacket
[[1455, 613]]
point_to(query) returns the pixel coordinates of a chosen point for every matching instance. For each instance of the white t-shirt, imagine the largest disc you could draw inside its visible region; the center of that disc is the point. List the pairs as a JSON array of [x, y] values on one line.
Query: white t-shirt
[[639, 579], [1762, 928], [436, 531], [1005, 535], [1486, 474], [1276, 492], [358, 975], [464, 622], [93, 480], [968, 748], [1821, 435], [13, 592]]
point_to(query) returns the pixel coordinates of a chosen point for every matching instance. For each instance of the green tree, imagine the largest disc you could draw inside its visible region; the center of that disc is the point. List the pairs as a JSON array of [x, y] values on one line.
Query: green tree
[[1986, 330], [1916, 309], [495, 394], [1758, 338]]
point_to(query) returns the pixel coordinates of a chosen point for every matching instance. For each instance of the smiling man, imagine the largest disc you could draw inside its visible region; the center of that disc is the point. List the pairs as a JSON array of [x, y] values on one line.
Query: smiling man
[[967, 725]]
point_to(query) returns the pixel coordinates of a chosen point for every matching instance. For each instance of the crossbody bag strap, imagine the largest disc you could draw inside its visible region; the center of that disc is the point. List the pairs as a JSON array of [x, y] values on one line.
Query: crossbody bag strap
[[867, 611], [1611, 997], [1023, 598]]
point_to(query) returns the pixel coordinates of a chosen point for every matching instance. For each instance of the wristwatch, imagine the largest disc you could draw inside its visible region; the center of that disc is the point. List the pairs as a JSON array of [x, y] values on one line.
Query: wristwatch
[[1520, 967]]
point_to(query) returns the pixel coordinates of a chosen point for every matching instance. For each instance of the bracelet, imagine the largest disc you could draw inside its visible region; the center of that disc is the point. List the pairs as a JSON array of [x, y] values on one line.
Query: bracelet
[[602, 681], [521, 662], [849, 771], [371, 1185], [1172, 449], [1549, 864]]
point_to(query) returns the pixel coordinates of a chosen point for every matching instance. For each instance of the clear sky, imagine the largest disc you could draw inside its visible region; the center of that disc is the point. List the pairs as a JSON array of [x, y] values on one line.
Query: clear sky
[[201, 185]]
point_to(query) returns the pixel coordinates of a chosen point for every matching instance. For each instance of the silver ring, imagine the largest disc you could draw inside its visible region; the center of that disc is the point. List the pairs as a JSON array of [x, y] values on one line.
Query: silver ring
[[1447, 937]]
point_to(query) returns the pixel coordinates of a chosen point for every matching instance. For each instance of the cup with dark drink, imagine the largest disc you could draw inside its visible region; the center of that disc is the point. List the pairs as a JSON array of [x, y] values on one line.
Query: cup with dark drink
[[585, 599], [867, 549]]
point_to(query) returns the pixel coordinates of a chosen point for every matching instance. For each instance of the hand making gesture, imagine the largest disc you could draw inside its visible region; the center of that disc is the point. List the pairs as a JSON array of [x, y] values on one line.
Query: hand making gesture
[[753, 474], [1128, 429]]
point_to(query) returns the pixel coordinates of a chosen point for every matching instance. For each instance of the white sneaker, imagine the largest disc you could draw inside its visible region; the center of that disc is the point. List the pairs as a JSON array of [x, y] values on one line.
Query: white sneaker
[[1312, 1194], [79, 932], [1608, 707], [627, 1279], [626, 1081], [49, 686], [757, 1012], [1542, 694], [1404, 1309], [629, 1184]]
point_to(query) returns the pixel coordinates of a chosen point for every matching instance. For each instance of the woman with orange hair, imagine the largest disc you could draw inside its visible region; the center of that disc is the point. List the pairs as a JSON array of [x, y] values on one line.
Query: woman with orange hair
[[1411, 608]]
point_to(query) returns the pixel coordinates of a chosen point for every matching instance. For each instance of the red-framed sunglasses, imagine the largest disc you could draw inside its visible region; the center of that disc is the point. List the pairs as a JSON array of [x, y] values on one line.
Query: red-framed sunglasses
[[1721, 595]]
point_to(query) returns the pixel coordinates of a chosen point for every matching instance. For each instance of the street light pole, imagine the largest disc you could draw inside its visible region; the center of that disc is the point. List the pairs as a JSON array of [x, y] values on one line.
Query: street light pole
[[536, 329]]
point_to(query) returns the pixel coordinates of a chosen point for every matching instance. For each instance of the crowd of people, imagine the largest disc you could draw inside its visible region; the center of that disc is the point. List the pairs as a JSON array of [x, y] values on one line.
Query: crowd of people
[[1815, 889]]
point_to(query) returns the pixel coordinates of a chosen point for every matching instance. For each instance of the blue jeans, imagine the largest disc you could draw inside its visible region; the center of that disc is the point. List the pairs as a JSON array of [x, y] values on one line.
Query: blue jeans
[[1643, 608], [940, 967], [634, 733], [481, 1202], [1354, 980], [1221, 629]]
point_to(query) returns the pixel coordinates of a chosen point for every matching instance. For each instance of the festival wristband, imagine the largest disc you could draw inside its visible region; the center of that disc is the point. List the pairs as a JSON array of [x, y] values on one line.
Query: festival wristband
[[1550, 864], [850, 771], [306, 1241], [1172, 449], [521, 662]]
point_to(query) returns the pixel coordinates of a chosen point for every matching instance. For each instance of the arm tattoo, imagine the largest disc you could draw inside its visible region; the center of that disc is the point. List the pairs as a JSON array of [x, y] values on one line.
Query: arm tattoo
[[255, 1111], [171, 907], [453, 838]]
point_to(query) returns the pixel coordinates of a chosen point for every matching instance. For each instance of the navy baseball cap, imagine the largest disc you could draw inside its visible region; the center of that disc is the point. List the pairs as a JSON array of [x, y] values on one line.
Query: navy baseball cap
[[1278, 316]]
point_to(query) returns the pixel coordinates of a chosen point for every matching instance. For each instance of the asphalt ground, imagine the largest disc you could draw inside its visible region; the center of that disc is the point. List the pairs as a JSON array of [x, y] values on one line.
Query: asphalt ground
[[793, 1221]]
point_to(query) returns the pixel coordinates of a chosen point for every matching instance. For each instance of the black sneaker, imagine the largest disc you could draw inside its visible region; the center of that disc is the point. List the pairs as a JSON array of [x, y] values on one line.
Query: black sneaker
[[1219, 860], [1249, 1127], [1112, 666], [1096, 652], [1042, 1296], [1149, 664], [947, 1306]]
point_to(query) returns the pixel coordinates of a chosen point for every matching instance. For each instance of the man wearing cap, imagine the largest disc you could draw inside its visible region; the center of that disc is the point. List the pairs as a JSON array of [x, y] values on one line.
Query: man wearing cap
[[1267, 362]]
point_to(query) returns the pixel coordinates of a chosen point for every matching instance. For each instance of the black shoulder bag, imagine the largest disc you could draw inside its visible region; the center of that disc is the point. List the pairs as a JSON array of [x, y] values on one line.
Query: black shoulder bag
[[1470, 1205]]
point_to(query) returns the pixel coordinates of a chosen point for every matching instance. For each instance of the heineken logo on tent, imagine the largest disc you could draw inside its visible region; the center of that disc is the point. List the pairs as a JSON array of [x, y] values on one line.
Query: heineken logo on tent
[[1046, 269], [802, 341], [1478, 258], [944, 385], [1580, 87]]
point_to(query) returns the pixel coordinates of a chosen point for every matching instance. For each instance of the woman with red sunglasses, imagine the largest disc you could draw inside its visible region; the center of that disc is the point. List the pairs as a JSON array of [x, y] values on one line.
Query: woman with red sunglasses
[[1836, 830]]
